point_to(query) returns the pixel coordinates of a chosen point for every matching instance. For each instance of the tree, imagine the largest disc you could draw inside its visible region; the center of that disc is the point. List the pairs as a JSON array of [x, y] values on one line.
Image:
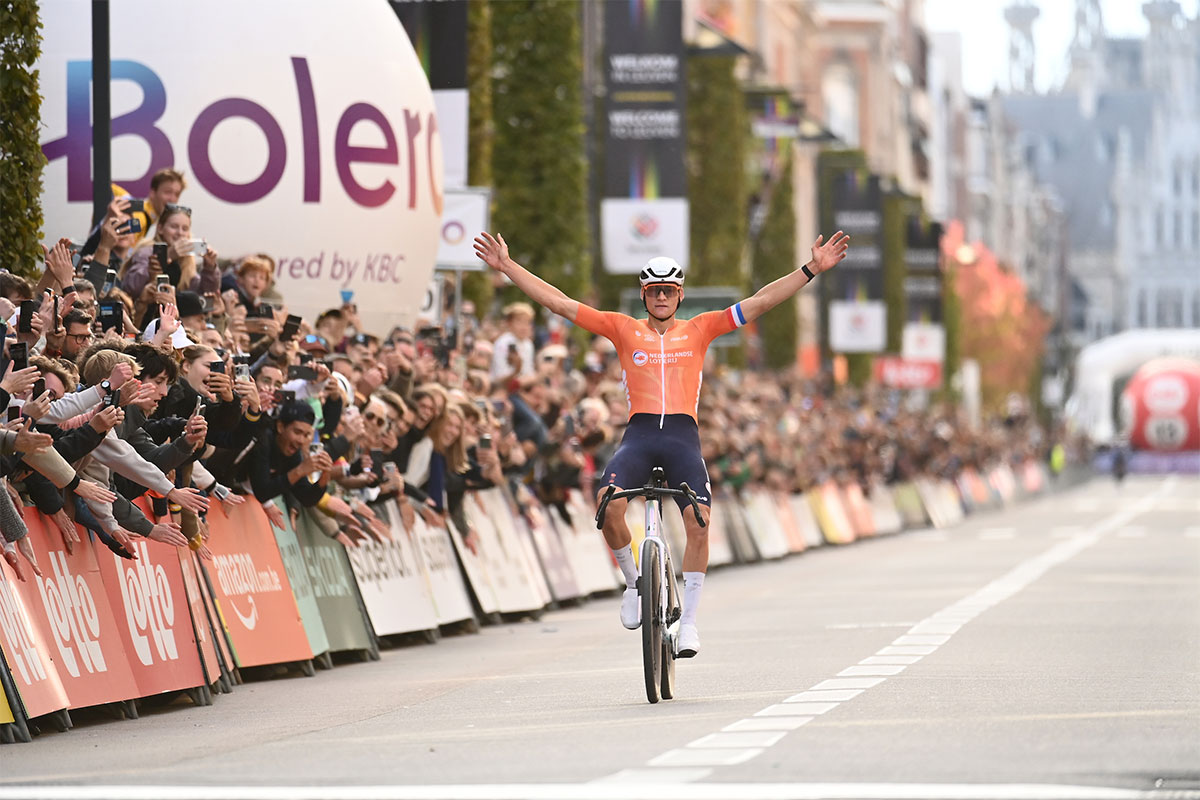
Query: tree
[[21, 159], [480, 123], [538, 159], [775, 256], [717, 133]]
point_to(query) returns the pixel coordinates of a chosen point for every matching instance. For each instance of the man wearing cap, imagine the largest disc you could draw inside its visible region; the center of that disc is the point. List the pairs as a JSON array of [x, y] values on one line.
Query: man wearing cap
[[661, 361]]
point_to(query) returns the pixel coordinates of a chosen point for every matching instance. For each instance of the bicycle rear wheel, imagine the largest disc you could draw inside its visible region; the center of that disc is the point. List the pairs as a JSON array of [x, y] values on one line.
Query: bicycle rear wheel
[[652, 632]]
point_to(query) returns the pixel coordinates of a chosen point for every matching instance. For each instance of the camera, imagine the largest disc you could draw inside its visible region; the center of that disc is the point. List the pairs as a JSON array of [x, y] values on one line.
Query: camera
[[197, 247], [241, 371], [161, 254], [25, 318]]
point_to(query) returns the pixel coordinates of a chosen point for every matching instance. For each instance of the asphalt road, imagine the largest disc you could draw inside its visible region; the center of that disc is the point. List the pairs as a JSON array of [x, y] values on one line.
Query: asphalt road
[[1049, 650]]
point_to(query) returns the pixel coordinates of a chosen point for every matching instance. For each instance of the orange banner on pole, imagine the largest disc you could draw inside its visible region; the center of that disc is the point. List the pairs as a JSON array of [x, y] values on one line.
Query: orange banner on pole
[[251, 588]]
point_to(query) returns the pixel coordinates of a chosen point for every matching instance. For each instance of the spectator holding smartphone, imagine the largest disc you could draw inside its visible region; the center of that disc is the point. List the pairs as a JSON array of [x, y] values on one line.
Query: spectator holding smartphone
[[285, 460]]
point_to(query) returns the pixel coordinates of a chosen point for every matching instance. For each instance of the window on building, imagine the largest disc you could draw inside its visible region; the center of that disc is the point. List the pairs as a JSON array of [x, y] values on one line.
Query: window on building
[[839, 91], [1177, 179], [1142, 312], [1170, 308]]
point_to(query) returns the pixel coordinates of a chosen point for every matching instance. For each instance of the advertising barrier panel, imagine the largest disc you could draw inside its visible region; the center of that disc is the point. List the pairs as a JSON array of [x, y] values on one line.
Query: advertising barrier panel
[[451, 598], [763, 525], [302, 589], [346, 626], [87, 646], [154, 619], [202, 629], [502, 558], [884, 513], [591, 560], [514, 531], [826, 502], [908, 503], [392, 580], [551, 554], [25, 639], [251, 588], [858, 511], [6, 715], [805, 519]]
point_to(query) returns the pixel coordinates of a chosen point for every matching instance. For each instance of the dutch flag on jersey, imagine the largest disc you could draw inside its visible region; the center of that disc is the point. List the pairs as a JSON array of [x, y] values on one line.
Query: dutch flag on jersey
[[735, 314]]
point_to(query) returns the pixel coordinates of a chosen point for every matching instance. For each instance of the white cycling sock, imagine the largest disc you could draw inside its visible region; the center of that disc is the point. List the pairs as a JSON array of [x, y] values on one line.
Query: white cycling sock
[[628, 567], [693, 582]]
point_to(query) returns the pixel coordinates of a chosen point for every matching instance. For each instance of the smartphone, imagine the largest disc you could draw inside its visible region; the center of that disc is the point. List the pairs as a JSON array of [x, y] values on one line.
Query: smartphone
[[485, 442], [136, 206], [290, 328], [19, 353], [284, 396], [305, 358], [199, 407], [131, 225], [162, 282], [300, 372], [111, 399], [217, 366], [208, 302], [160, 253], [112, 317], [25, 320], [197, 247], [241, 372], [14, 413], [39, 388], [110, 281], [56, 307]]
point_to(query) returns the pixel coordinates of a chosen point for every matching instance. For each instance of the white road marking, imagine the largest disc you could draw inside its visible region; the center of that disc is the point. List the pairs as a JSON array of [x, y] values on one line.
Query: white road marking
[[848, 683], [704, 757], [624, 785], [830, 696], [876, 669], [768, 724], [892, 650], [854, 626], [794, 709], [891, 660], [739, 739], [908, 639], [940, 626]]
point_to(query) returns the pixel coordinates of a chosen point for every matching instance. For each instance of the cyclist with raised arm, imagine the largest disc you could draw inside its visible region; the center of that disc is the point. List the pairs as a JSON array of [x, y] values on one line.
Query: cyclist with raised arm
[[661, 362]]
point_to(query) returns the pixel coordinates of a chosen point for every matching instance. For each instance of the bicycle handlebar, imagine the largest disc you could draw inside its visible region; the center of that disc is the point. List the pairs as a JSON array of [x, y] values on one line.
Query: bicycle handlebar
[[649, 492]]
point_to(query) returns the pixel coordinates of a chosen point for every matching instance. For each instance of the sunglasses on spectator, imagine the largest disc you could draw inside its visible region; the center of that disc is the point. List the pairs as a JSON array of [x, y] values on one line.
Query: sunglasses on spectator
[[375, 419], [176, 207]]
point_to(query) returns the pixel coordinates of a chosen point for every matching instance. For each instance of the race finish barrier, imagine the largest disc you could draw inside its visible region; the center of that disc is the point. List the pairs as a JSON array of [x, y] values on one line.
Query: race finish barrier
[[101, 630], [95, 629]]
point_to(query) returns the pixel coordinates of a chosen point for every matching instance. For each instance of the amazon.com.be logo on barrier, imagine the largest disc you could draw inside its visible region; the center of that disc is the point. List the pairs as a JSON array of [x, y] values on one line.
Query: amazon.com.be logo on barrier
[[237, 575]]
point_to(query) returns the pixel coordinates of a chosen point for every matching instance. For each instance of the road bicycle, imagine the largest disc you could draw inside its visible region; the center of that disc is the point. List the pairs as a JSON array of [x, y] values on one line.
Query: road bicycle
[[657, 589]]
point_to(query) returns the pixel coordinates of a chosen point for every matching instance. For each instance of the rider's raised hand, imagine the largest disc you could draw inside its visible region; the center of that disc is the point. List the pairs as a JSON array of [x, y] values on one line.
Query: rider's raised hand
[[492, 251], [826, 256]]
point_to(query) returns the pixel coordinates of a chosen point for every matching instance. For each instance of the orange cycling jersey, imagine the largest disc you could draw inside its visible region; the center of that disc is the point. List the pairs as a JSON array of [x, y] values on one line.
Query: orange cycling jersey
[[662, 372]]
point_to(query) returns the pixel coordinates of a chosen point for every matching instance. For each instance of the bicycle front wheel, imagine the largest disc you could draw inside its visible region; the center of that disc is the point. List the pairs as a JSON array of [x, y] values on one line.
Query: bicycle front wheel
[[652, 631]]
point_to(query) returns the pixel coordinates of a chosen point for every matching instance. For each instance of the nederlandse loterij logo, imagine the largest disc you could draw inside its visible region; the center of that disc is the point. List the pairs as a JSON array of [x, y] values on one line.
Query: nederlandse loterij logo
[[640, 358], [644, 226]]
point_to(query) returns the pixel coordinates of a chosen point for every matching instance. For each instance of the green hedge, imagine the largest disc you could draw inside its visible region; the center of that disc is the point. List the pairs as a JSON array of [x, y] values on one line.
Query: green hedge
[[21, 159]]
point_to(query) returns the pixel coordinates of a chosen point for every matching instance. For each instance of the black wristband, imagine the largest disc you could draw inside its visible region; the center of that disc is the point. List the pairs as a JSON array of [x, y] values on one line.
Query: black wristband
[[807, 272]]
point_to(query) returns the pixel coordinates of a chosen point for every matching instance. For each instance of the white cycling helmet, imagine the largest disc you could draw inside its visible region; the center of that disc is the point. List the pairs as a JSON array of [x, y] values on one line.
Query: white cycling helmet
[[661, 269]]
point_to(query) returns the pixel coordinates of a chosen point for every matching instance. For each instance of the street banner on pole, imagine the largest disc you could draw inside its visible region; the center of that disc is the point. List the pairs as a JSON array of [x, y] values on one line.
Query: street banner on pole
[[644, 60]]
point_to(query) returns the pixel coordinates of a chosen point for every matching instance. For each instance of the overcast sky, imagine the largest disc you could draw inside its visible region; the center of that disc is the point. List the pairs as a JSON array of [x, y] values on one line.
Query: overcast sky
[[985, 35]]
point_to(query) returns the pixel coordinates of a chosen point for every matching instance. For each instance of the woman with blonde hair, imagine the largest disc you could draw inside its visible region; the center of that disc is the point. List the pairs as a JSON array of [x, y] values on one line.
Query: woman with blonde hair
[[138, 275]]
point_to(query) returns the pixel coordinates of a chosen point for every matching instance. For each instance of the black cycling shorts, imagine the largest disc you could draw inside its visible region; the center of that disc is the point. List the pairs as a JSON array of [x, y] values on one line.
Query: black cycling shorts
[[675, 447]]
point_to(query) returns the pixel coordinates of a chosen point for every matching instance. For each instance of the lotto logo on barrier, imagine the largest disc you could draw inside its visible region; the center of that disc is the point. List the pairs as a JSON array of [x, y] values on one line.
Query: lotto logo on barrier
[[23, 653], [149, 606], [71, 609]]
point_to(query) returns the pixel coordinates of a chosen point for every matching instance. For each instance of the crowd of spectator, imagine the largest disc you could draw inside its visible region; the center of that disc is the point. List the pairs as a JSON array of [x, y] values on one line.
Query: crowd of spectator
[[143, 364]]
